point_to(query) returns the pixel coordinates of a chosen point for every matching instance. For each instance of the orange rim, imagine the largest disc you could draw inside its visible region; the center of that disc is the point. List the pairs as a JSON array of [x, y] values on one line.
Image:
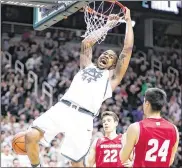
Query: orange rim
[[90, 10]]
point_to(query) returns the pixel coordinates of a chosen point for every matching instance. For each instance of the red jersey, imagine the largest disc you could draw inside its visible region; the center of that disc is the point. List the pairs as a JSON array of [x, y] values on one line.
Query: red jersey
[[107, 152], [156, 140]]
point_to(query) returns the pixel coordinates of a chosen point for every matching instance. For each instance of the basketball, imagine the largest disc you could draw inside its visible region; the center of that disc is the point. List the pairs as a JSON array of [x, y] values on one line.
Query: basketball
[[18, 143]]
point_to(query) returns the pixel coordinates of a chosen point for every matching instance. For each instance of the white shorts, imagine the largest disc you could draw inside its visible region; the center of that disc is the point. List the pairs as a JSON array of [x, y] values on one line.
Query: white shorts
[[76, 126]]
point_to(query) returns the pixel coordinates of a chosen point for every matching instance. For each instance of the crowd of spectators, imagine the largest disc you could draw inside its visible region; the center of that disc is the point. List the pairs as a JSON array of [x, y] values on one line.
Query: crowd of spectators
[[53, 62]]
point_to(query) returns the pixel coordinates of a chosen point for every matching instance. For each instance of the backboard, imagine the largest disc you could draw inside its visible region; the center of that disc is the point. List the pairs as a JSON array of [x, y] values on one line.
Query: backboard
[[46, 17]]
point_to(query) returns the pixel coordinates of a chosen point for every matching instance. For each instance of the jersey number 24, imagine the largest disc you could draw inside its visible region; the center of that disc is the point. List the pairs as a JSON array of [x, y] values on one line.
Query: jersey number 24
[[162, 151], [110, 155]]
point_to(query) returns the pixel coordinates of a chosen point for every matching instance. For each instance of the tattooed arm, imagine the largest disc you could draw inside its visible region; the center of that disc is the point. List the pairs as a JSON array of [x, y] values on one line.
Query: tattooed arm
[[91, 39], [124, 58]]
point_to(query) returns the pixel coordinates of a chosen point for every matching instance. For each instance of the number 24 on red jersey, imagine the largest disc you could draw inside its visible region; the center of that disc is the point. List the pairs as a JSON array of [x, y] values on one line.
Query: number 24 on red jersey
[[162, 151]]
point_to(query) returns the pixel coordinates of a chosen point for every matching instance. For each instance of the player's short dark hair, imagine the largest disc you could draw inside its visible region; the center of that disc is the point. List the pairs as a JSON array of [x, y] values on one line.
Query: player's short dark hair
[[110, 113], [156, 97]]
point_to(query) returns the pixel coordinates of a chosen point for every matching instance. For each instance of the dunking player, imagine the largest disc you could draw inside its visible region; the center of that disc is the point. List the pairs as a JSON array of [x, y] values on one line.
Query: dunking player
[[74, 113], [105, 151], [155, 139]]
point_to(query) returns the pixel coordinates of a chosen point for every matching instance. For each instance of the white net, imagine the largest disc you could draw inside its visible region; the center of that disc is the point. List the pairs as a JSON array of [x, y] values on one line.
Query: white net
[[96, 16]]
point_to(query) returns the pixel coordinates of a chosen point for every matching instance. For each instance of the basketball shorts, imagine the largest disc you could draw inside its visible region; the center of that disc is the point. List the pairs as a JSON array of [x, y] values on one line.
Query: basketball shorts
[[76, 126]]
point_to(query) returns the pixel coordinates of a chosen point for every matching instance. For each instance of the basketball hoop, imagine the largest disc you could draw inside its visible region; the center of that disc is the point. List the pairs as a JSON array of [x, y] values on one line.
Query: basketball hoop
[[96, 15]]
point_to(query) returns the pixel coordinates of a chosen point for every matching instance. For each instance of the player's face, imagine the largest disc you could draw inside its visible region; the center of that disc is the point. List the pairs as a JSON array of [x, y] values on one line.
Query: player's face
[[109, 125], [107, 60]]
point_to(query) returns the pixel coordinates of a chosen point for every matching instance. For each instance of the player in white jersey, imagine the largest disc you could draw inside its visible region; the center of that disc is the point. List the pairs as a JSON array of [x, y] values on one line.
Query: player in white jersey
[[74, 113]]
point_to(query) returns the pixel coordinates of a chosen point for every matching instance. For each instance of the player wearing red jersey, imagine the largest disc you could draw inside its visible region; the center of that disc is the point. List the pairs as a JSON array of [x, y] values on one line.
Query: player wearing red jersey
[[105, 151], [155, 139]]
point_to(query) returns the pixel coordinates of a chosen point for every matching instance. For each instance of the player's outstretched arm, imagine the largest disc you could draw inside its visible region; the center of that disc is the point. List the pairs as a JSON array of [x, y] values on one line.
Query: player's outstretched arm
[[124, 58], [90, 161], [86, 54], [92, 38], [175, 147], [132, 134]]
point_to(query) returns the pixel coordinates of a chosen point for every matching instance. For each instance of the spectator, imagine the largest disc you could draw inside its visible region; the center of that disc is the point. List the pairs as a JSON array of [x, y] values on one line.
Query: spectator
[[133, 99], [137, 114], [6, 155], [16, 162], [31, 62], [53, 76]]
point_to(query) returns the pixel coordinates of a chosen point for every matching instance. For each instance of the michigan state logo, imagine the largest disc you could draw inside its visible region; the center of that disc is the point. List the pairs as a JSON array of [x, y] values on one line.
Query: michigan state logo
[[91, 74]]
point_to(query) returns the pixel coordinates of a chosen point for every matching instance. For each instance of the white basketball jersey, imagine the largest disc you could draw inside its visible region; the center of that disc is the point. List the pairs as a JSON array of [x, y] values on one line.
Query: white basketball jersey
[[89, 88]]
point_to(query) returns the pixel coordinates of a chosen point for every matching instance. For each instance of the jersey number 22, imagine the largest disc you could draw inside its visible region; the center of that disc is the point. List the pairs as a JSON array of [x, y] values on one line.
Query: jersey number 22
[[162, 151], [110, 155]]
